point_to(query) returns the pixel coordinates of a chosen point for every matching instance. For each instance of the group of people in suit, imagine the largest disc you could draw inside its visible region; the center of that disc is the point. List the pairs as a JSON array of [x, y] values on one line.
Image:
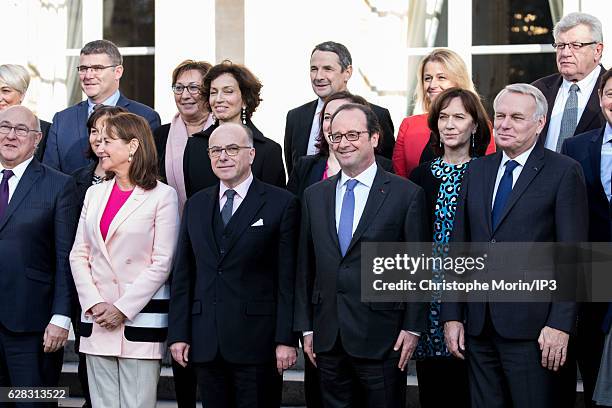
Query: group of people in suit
[[187, 236]]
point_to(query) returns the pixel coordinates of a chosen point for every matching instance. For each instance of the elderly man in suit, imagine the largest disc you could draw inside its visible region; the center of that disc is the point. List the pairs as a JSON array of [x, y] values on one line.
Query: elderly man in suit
[[330, 70], [231, 307], [361, 203], [571, 94], [37, 223], [523, 193], [100, 70], [593, 150]]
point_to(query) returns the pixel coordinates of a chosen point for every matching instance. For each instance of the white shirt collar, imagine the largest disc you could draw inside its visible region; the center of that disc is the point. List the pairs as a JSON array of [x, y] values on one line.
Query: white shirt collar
[[366, 177], [607, 134], [19, 169], [241, 189], [586, 83], [110, 101], [320, 104], [520, 159]]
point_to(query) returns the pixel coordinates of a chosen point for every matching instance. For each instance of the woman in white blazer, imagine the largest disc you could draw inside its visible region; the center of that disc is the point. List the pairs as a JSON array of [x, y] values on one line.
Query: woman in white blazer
[[120, 262]]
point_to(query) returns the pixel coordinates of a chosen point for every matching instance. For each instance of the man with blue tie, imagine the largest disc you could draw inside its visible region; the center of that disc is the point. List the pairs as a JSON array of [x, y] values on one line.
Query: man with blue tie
[[354, 343], [100, 70], [38, 216], [523, 193], [593, 150]]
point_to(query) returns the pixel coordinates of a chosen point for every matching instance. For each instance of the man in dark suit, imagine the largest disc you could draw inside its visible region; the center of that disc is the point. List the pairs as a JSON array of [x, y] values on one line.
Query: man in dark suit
[[231, 308], [593, 150], [573, 106], [351, 341], [37, 224], [523, 193], [100, 70], [330, 69]]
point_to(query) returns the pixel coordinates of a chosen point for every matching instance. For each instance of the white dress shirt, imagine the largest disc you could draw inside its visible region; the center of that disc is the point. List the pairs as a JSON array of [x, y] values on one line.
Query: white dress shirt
[[110, 101], [584, 93], [241, 191], [521, 159], [57, 319], [315, 129]]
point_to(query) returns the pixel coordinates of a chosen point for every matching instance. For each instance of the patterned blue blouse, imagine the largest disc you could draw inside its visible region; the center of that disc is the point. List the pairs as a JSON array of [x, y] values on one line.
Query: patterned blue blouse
[[431, 343]]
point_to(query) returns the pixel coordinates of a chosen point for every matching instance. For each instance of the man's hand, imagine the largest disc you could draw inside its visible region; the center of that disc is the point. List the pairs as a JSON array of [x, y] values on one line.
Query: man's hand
[[55, 338], [180, 352], [309, 350], [286, 356], [407, 342], [110, 318], [454, 337], [553, 344]]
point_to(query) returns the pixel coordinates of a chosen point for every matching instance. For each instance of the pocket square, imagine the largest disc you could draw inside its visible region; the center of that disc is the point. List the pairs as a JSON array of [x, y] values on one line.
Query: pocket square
[[258, 223]]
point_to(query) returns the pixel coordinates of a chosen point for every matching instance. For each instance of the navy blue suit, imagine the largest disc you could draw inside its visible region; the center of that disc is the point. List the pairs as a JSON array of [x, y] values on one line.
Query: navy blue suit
[[586, 150], [68, 140], [36, 234]]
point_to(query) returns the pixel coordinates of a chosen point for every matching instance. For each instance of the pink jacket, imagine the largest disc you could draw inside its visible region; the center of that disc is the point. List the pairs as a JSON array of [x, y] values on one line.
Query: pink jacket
[[128, 269]]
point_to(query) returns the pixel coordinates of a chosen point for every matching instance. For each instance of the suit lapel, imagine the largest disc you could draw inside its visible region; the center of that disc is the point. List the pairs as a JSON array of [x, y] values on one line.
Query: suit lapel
[[376, 197], [108, 187], [595, 161], [491, 176], [134, 201], [32, 173], [330, 208], [244, 216], [209, 226], [304, 128], [82, 116], [553, 88], [592, 109], [533, 166]]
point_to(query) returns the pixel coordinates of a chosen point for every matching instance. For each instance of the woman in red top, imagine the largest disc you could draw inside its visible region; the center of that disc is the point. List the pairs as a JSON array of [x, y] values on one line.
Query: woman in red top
[[439, 70]]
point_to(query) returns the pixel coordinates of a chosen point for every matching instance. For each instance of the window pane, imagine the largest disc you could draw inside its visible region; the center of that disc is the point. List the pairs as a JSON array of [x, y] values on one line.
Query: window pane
[[492, 72], [74, 94], [137, 80], [130, 23], [505, 22]]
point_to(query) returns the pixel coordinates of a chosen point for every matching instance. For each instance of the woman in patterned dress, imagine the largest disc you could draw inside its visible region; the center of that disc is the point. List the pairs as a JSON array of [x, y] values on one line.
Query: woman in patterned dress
[[460, 133]]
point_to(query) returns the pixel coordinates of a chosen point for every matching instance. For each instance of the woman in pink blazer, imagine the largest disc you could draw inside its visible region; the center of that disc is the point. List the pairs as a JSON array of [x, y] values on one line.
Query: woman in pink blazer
[[120, 262]]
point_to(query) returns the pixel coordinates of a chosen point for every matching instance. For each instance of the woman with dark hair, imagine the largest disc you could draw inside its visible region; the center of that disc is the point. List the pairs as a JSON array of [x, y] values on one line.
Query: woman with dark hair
[[192, 117], [460, 133], [313, 168], [232, 93], [120, 263]]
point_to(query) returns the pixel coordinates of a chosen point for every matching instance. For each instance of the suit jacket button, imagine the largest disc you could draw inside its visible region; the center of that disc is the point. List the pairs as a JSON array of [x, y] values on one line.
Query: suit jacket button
[[219, 271], [222, 251], [114, 281], [128, 261], [493, 241]]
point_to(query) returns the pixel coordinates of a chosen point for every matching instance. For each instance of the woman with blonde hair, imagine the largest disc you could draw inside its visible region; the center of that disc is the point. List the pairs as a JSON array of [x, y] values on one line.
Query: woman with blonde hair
[[14, 82], [439, 70]]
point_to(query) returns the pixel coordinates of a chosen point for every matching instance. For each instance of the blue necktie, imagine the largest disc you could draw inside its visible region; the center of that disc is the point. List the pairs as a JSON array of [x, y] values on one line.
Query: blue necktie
[[4, 191], [503, 192], [345, 227]]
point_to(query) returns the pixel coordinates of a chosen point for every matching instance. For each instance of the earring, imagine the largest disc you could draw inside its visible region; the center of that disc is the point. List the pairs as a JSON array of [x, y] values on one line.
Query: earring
[[473, 140], [243, 115], [130, 156], [440, 143], [214, 118]]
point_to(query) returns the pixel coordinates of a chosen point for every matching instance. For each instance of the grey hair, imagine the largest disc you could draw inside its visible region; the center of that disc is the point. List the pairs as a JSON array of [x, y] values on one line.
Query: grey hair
[[103, 47], [15, 76], [526, 89], [574, 19], [344, 56]]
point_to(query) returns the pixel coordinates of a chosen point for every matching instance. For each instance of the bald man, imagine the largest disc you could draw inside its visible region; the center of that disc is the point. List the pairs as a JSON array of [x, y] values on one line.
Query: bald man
[[37, 223]]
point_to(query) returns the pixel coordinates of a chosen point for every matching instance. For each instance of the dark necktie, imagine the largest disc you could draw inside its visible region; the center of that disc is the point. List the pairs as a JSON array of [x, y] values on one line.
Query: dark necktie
[[347, 212], [226, 212], [503, 193], [569, 120], [4, 191], [96, 107]]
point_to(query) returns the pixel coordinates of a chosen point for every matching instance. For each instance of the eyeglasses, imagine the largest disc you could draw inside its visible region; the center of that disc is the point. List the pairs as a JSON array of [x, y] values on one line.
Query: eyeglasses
[[20, 130], [231, 150], [351, 136], [192, 89], [573, 45], [96, 69]]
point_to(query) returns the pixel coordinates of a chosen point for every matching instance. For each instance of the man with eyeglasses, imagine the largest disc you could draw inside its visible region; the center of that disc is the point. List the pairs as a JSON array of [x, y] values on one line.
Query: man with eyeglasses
[[356, 344], [38, 217], [100, 70], [573, 105], [231, 306]]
